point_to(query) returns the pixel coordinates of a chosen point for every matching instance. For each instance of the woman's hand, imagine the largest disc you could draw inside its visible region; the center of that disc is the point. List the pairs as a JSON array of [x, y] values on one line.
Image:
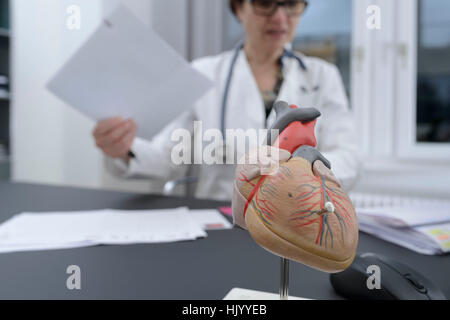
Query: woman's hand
[[114, 136]]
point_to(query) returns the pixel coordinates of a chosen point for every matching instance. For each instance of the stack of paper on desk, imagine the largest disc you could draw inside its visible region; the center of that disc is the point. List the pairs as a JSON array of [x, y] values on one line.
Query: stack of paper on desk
[[58, 230], [422, 228]]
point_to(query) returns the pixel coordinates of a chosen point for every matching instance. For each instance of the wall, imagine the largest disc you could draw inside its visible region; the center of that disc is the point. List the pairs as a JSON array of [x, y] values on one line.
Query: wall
[[49, 140]]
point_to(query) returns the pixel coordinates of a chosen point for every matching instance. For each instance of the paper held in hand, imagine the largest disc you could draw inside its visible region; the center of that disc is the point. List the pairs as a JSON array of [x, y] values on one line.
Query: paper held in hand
[[125, 69]]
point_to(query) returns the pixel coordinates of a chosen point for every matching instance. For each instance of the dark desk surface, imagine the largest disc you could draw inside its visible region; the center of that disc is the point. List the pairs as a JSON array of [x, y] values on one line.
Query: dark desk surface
[[203, 269]]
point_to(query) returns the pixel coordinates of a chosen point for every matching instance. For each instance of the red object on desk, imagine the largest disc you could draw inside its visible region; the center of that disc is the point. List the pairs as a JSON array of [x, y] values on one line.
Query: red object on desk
[[226, 211]]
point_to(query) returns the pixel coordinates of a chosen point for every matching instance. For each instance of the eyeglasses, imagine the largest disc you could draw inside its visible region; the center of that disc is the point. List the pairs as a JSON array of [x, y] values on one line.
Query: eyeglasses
[[269, 7]]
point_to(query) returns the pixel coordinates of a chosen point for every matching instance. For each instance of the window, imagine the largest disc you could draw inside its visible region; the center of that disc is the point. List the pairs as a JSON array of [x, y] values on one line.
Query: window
[[325, 31], [388, 68], [423, 80], [433, 71], [232, 31]]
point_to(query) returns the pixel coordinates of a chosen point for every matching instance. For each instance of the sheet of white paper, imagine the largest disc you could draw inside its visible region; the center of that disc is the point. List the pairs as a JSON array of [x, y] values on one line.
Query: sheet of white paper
[[41, 231], [44, 246], [149, 226], [210, 219], [125, 69], [408, 215], [247, 294], [439, 234]]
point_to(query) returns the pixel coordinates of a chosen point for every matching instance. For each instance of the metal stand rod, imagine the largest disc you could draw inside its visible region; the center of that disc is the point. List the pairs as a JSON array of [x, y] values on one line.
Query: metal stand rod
[[284, 279]]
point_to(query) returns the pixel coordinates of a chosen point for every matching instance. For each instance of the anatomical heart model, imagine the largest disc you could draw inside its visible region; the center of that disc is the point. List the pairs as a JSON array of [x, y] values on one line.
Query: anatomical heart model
[[292, 205]]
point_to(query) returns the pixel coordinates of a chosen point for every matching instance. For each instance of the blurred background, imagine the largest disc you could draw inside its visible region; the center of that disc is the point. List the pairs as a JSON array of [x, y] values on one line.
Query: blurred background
[[397, 79]]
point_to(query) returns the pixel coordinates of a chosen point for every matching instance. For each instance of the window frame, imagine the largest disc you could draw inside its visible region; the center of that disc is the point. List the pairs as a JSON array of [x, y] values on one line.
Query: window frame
[[384, 74], [384, 93], [408, 147]]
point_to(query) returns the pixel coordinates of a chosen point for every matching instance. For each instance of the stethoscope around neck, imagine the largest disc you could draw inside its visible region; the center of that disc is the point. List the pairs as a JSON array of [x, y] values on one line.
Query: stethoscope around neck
[[286, 54]]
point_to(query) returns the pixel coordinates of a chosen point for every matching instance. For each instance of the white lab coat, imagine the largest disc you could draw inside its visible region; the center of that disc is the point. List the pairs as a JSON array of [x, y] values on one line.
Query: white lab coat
[[335, 129]]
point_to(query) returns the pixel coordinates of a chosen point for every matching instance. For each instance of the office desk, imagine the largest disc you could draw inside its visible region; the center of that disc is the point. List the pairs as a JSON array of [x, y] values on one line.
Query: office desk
[[203, 269]]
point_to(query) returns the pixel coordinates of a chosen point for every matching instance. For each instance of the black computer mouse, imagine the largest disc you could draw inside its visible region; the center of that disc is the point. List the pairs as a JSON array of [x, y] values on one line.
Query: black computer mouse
[[396, 281]]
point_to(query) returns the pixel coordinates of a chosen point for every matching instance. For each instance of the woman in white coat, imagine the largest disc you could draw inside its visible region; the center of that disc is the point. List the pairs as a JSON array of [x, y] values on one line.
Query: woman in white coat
[[250, 78]]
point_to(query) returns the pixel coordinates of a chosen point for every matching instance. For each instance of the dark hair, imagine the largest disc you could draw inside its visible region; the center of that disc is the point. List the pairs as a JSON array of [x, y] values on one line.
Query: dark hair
[[234, 4]]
